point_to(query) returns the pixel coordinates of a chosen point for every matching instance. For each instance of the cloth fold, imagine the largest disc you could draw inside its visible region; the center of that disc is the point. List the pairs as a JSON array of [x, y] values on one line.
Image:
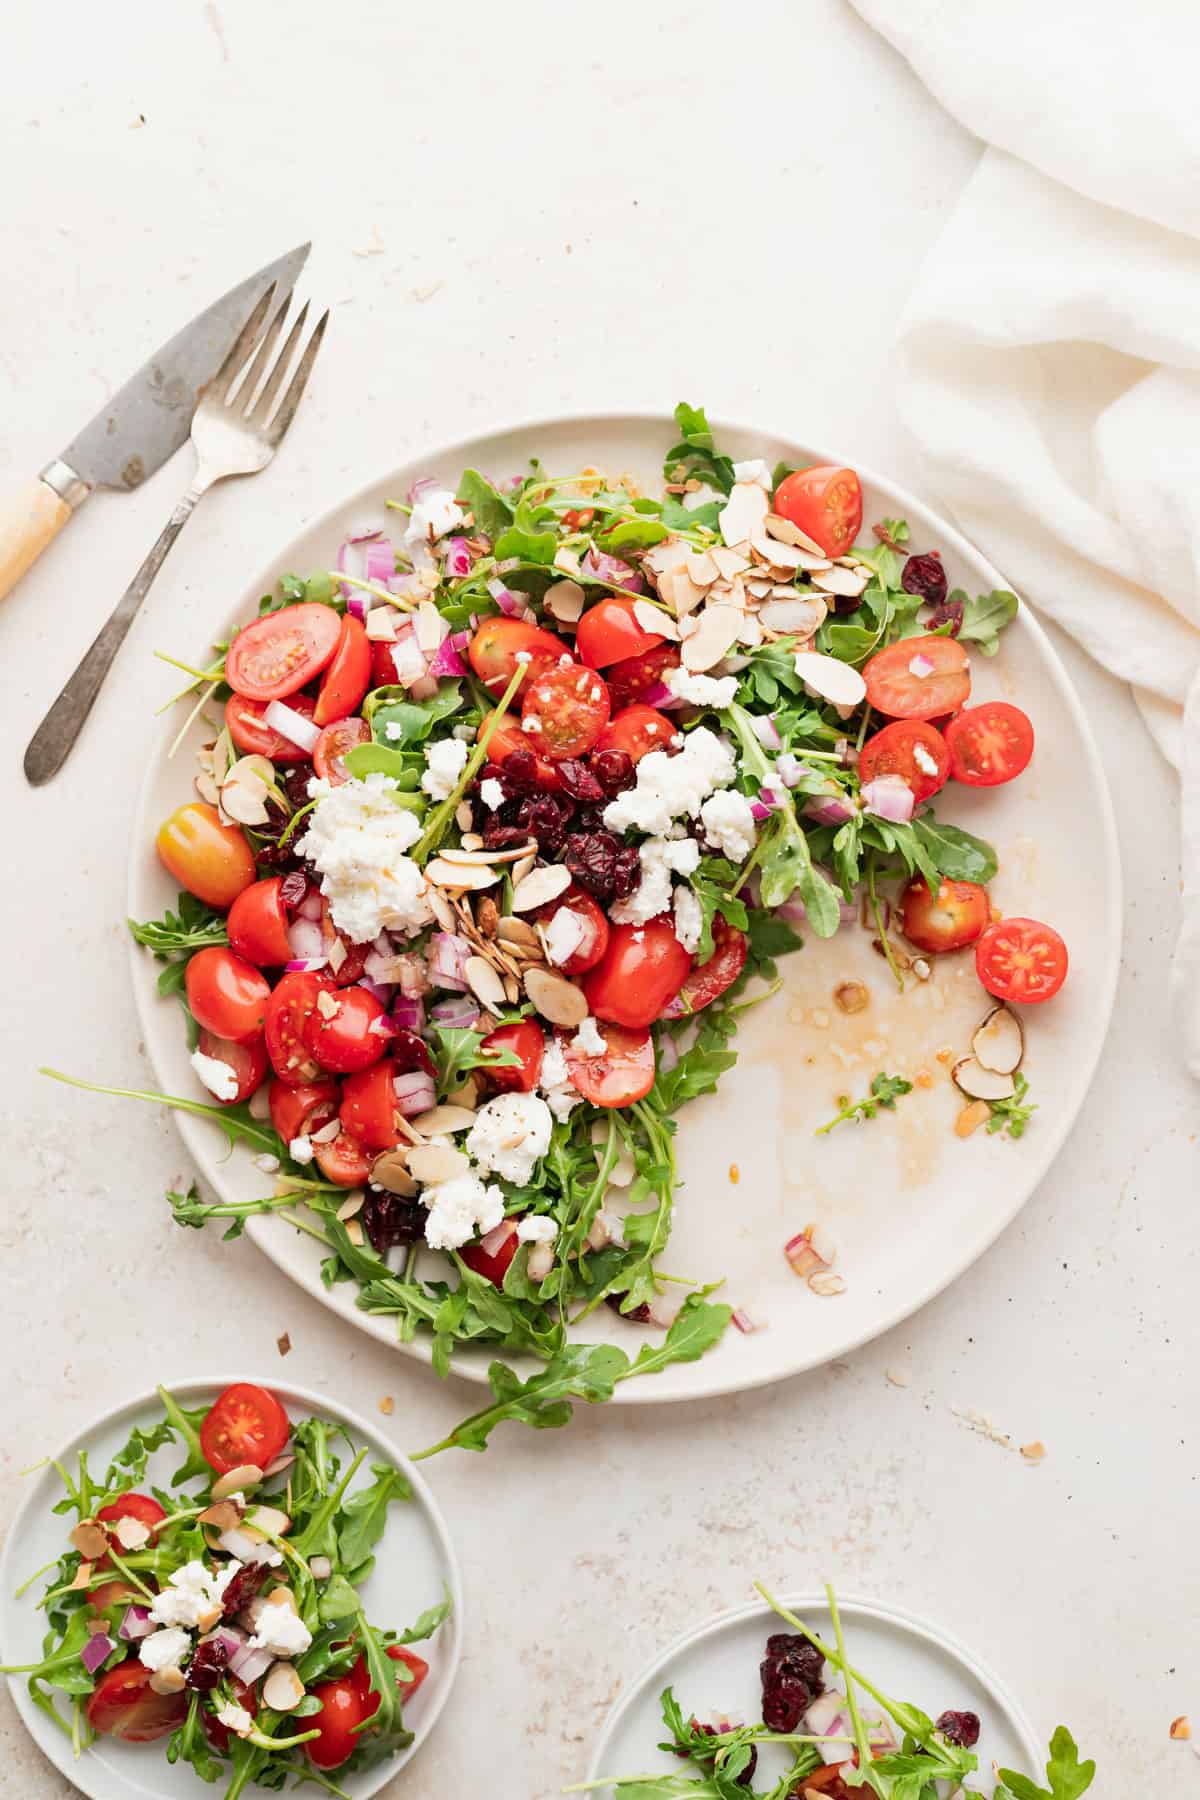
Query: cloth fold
[[1050, 351]]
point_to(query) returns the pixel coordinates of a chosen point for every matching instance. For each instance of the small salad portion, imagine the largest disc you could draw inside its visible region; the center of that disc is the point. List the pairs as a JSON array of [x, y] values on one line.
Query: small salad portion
[[223, 1614]]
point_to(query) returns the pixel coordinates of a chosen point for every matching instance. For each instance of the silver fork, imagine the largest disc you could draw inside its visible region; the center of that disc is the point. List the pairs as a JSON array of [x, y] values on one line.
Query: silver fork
[[233, 434]]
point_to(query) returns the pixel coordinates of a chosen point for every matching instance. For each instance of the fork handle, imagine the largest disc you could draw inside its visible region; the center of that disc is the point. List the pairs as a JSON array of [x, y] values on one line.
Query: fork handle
[[55, 737]]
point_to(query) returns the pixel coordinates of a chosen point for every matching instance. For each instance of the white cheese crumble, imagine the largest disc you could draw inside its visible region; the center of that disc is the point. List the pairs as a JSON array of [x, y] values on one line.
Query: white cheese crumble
[[191, 1594], [459, 1208], [444, 763], [556, 1087], [356, 838], [689, 918], [537, 1229], [564, 934], [217, 1076], [510, 1134], [729, 824], [669, 787], [434, 514], [923, 759], [588, 1038], [756, 470], [281, 1631], [301, 1149], [164, 1649], [235, 1718], [659, 856], [701, 690], [491, 793]]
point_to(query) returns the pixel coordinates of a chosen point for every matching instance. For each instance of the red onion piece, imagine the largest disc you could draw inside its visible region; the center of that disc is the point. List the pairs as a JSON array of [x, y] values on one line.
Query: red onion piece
[[304, 965], [249, 1664], [508, 602], [742, 1321], [292, 725], [458, 558], [408, 1014], [137, 1623], [602, 567], [790, 770], [382, 1027], [229, 1635], [283, 1461], [446, 661], [381, 561], [356, 606], [460, 639], [448, 956], [890, 798], [407, 658], [94, 1652], [305, 939], [424, 484], [765, 731], [458, 1014], [310, 906], [415, 1093], [498, 1236], [828, 809], [412, 975], [376, 989], [378, 970], [362, 534]]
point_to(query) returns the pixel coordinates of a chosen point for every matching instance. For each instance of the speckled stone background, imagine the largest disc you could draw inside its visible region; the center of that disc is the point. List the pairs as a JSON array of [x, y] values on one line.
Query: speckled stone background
[[519, 210]]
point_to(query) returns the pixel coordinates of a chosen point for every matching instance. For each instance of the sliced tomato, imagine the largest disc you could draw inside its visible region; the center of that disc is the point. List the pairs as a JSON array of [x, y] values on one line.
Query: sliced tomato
[[293, 1001], [248, 1060], [829, 1782], [524, 1037], [258, 923], [348, 676], [643, 967], [493, 1264], [210, 859], [280, 653], [124, 1705], [226, 994], [347, 960], [918, 678], [344, 1161], [254, 737], [594, 923], [368, 1109], [340, 1032], [624, 1073], [245, 1425], [416, 1666], [1021, 960], [299, 1111], [989, 744], [950, 920], [709, 979], [911, 749], [565, 711], [333, 746], [494, 649], [636, 676], [609, 632], [111, 1593], [825, 502], [506, 737], [343, 1709], [142, 1507], [638, 729]]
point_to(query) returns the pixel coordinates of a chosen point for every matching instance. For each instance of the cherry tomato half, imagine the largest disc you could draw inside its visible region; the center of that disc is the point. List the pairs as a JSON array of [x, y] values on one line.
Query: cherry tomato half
[[565, 711], [293, 1001], [124, 1705], [609, 632], [299, 1111], [709, 979], [348, 676], [948, 921], [825, 502], [254, 737], [594, 922], [226, 994], [417, 1668], [506, 737], [525, 1039], [624, 1073], [493, 1264], [911, 749], [828, 1782], [918, 678], [280, 653], [629, 679], [248, 1060], [333, 745], [111, 1593], [343, 1708], [636, 730], [347, 960], [1021, 960], [494, 648], [142, 1507], [340, 1032], [368, 1109], [643, 967], [344, 1161], [246, 1424], [258, 923], [989, 744], [211, 860]]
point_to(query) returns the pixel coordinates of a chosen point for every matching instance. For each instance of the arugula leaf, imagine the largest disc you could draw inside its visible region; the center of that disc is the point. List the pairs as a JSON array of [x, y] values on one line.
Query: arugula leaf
[[1066, 1776], [713, 883], [632, 534], [884, 1091], [782, 853], [365, 1516], [186, 1426], [680, 518], [697, 1326], [192, 928], [414, 719], [491, 512], [955, 853], [985, 617], [696, 454], [459, 1050], [1013, 1115], [383, 759], [771, 936], [427, 1624], [528, 536]]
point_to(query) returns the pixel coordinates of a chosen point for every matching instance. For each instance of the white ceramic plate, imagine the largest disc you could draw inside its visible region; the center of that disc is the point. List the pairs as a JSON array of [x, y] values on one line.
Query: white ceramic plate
[[416, 1565], [910, 1205], [714, 1670]]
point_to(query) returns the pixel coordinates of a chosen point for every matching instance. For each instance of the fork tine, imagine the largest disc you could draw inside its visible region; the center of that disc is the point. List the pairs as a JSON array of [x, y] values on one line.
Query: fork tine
[[246, 388], [274, 382], [243, 344], [291, 400]]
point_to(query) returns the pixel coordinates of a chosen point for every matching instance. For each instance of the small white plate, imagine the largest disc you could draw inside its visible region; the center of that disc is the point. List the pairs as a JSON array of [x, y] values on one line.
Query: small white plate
[[714, 1670], [416, 1565]]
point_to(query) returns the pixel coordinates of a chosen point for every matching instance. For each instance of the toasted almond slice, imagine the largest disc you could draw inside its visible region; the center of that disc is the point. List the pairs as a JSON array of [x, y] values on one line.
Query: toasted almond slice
[[443, 1121], [431, 1163], [556, 998], [971, 1078], [224, 1516], [466, 1094], [83, 1575], [655, 619], [743, 512], [168, 1681], [464, 815], [246, 1475], [471, 840], [283, 1689], [460, 855], [567, 560], [793, 615], [131, 1533], [665, 582], [207, 789], [522, 868], [352, 1205], [564, 601], [726, 561], [750, 631], [382, 624], [703, 568], [483, 981], [826, 1283], [429, 626], [390, 1172], [829, 679], [245, 788], [761, 590], [517, 931], [327, 1133], [512, 989], [459, 876], [786, 533], [487, 916], [90, 1539], [442, 910], [714, 637], [850, 583], [540, 886], [999, 1043], [354, 1231], [686, 595]]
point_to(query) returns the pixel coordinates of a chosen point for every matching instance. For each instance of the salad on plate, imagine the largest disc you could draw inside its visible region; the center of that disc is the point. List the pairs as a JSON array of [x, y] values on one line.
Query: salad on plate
[[223, 1613], [503, 823]]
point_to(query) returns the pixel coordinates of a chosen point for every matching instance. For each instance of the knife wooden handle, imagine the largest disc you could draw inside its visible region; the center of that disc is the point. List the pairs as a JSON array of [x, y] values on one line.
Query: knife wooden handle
[[28, 522]]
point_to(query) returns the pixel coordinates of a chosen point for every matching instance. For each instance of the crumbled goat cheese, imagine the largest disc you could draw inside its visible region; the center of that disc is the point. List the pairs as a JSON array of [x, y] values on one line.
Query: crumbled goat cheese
[[556, 1088], [564, 934], [216, 1075], [510, 1134], [668, 787], [701, 690], [235, 1718], [689, 918], [729, 824], [491, 793], [588, 1038], [536, 1230], [357, 836], [923, 759], [755, 470], [459, 1208], [445, 762], [191, 1594], [435, 513], [301, 1149], [658, 857], [281, 1631], [164, 1649]]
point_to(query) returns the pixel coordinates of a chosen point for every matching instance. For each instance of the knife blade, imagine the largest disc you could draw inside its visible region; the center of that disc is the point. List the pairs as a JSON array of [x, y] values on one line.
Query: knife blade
[[140, 427]]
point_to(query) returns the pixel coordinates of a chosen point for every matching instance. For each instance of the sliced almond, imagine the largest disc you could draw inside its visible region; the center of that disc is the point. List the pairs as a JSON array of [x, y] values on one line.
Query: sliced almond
[[327, 1133], [728, 562], [390, 1172], [461, 855], [702, 567], [83, 1575], [784, 556], [90, 1539], [971, 1078], [466, 1094], [283, 1689], [826, 1283], [167, 1681], [238, 1481], [517, 931], [382, 624], [556, 998], [512, 989], [971, 1118], [786, 533], [750, 631], [444, 1121], [461, 875], [245, 788], [743, 511], [273, 1523], [714, 637], [224, 1516], [686, 595], [464, 815], [430, 627], [564, 601], [850, 583], [431, 1163], [541, 886], [999, 1044], [828, 679], [484, 982], [131, 1533], [567, 560], [471, 840], [354, 1231], [442, 910], [514, 853], [521, 869], [351, 1207], [655, 619], [207, 789], [794, 615]]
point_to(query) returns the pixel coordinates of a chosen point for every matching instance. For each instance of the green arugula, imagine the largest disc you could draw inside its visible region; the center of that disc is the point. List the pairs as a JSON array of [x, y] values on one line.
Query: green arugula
[[985, 617], [884, 1092], [413, 719], [1013, 1115], [782, 853], [491, 512], [178, 935], [696, 456], [1066, 1776]]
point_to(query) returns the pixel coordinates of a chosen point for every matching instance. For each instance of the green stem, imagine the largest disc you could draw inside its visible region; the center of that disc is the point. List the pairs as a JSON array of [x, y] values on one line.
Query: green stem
[[190, 1106], [380, 593], [860, 1734], [440, 817], [877, 912]]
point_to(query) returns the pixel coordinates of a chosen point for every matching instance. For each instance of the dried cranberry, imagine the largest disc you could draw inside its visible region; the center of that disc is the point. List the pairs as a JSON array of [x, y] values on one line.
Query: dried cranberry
[[517, 774], [639, 1316], [208, 1664], [242, 1589], [546, 817], [614, 771], [925, 575], [949, 612], [293, 888], [591, 857], [627, 872], [295, 785], [579, 781], [389, 1219], [960, 1728], [791, 1680], [409, 1053], [503, 837]]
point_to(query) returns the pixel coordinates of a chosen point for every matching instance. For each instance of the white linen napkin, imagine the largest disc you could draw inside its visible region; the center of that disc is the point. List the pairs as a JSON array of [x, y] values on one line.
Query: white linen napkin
[[1050, 352]]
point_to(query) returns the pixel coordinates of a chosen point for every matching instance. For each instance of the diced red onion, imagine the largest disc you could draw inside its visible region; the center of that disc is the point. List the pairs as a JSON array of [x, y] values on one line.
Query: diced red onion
[[424, 484], [509, 603], [292, 725], [742, 1321], [458, 558], [765, 731], [362, 534], [97, 1648], [407, 658], [304, 965], [408, 1014], [382, 1027], [790, 770], [376, 990], [889, 797], [448, 956], [446, 661], [810, 1249], [136, 1624], [828, 809], [378, 969], [458, 1014], [415, 1093], [356, 605], [381, 561], [248, 1665], [305, 938], [766, 803], [460, 639], [310, 906], [658, 695], [412, 975], [600, 566], [828, 1717], [229, 1635], [497, 1237]]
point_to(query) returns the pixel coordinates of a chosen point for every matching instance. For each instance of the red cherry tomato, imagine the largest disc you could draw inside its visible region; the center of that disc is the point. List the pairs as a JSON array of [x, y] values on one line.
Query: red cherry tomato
[[280, 653], [910, 749], [343, 1708], [348, 676], [258, 922], [1021, 960], [254, 737], [211, 860], [828, 1781], [989, 744], [248, 1060], [624, 1073], [709, 979], [246, 1424], [594, 942], [299, 1111], [493, 1264], [635, 676], [524, 1037], [344, 1161], [142, 1507], [219, 1735], [347, 960], [227, 995], [124, 1705], [368, 1109], [609, 632], [643, 967], [825, 502], [901, 685], [955, 917], [339, 1032], [638, 729], [293, 1001], [506, 737], [565, 711], [111, 1593], [494, 648], [331, 748], [417, 1668]]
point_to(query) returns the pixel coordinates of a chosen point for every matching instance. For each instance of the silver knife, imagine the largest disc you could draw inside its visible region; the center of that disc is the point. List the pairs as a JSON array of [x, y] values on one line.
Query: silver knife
[[135, 432]]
